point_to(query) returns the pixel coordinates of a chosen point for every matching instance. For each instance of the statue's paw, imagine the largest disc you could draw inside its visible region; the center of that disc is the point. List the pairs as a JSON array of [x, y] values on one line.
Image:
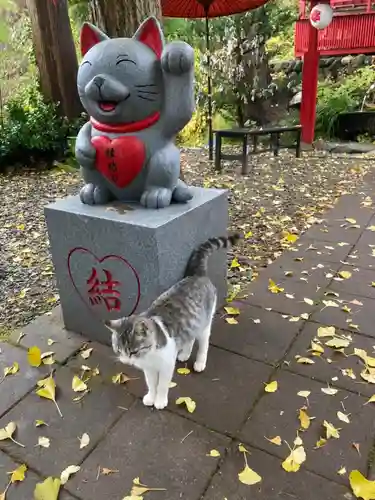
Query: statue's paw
[[86, 158], [94, 195], [182, 194], [177, 58], [156, 198]]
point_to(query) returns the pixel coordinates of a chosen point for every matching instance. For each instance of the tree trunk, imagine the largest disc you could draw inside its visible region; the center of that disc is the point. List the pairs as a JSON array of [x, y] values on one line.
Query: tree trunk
[[121, 18], [55, 54]]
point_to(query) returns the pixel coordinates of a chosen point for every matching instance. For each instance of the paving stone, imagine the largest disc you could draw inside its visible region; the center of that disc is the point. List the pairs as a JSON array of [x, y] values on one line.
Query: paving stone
[[276, 483], [15, 387], [162, 449], [325, 251], [360, 282], [276, 414], [309, 270], [224, 392], [257, 335], [361, 257], [259, 295], [362, 314], [367, 238], [25, 489], [323, 370], [50, 327], [94, 415], [334, 233], [349, 206]]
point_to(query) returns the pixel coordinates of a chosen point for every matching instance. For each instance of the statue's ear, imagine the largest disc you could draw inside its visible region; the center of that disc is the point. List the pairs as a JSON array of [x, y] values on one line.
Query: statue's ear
[[150, 34], [90, 36]]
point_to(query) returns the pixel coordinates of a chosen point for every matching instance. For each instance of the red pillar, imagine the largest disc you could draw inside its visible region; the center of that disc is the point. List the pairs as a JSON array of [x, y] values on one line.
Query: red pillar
[[310, 75]]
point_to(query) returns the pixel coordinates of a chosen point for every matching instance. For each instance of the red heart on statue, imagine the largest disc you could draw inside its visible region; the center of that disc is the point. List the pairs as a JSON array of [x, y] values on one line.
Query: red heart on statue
[[120, 160]]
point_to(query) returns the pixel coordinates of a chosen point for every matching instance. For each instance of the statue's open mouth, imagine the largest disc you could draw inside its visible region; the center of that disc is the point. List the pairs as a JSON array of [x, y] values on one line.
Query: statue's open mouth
[[107, 105]]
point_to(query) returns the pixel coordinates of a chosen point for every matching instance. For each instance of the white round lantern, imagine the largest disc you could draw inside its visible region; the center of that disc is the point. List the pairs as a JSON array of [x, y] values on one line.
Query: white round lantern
[[321, 16]]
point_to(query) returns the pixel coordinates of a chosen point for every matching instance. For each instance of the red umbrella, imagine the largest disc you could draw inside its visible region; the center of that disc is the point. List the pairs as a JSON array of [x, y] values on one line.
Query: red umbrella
[[208, 8]]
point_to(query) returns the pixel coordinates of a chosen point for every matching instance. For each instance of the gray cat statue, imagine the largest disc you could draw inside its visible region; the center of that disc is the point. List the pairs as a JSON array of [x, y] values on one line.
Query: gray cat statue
[[138, 93]]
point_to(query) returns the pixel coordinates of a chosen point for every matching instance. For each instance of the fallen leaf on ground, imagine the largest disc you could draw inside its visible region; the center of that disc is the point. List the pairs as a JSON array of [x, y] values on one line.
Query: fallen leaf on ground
[[341, 471], [369, 375], [294, 461], [304, 419], [309, 301], [321, 442], [84, 441], [249, 476], [121, 378], [10, 370], [231, 321], [66, 473], [343, 417], [337, 343], [86, 353], [107, 472], [18, 474], [345, 274], [183, 371], [47, 389], [326, 331], [304, 361], [44, 442], [78, 385], [273, 288], [331, 431], [51, 342], [7, 433], [34, 356], [330, 303], [242, 449], [356, 446], [304, 394], [271, 387], [39, 423], [362, 487], [214, 453], [139, 488], [48, 489], [232, 310], [371, 400], [368, 360], [330, 391], [189, 403], [276, 440]]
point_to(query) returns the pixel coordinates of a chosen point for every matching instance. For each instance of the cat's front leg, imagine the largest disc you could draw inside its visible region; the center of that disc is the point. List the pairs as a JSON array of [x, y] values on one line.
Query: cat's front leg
[[165, 378], [151, 377]]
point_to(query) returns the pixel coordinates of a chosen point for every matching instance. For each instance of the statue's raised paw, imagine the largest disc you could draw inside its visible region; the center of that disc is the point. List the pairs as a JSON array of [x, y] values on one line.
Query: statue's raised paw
[[156, 198], [94, 195], [177, 58], [86, 156]]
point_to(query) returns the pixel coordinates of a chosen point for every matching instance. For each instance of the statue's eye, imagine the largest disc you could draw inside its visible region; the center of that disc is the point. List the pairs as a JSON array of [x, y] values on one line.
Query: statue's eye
[[86, 62], [125, 60]]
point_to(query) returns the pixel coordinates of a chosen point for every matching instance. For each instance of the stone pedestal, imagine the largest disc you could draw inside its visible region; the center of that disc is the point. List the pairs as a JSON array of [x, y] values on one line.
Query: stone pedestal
[[113, 260]]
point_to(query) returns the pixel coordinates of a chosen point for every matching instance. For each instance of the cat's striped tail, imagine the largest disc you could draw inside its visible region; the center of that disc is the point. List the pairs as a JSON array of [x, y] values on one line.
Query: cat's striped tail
[[197, 264]]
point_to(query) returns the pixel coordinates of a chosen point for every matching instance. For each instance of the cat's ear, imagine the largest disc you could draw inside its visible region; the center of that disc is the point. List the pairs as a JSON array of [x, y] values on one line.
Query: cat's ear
[[114, 324], [90, 36], [150, 34]]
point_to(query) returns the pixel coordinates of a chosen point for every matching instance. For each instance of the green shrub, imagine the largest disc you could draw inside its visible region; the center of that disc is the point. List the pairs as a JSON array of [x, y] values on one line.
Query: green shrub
[[339, 97], [32, 129]]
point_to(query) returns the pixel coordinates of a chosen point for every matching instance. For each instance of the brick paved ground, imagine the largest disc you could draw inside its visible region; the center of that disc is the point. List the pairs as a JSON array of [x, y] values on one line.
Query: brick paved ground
[[170, 449]]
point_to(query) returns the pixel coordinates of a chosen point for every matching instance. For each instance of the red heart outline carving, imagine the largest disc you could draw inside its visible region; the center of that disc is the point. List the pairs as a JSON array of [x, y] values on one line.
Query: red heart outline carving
[[121, 159], [100, 261]]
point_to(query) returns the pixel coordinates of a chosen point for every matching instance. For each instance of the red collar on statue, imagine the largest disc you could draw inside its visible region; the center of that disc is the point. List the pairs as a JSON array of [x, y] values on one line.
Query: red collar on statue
[[126, 127]]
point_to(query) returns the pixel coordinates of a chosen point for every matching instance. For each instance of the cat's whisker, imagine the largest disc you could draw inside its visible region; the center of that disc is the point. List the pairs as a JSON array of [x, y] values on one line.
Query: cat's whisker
[[146, 98], [146, 85]]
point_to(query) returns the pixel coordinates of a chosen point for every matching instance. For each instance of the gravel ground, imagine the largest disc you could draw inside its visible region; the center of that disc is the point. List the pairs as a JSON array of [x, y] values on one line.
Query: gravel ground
[[280, 196]]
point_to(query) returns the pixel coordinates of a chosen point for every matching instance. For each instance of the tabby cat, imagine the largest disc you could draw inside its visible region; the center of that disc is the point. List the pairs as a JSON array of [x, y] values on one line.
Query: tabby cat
[[167, 330]]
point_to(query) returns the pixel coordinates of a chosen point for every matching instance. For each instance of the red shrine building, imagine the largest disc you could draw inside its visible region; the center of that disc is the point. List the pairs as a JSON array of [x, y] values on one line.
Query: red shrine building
[[352, 31]]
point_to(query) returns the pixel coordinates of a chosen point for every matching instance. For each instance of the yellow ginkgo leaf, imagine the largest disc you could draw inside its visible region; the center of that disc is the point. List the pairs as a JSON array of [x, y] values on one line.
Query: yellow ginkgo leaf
[[86, 353], [276, 440], [338, 343], [304, 394], [7, 433], [48, 489], [18, 474], [309, 301], [235, 263], [84, 441], [330, 391], [47, 389], [78, 385], [341, 471], [10, 370], [326, 331], [273, 288], [242, 449], [131, 497], [331, 431], [368, 360], [304, 361], [232, 310], [39, 423], [183, 371], [345, 274], [34, 356], [66, 473], [368, 375], [231, 321], [271, 387], [304, 419], [362, 487], [315, 347], [189, 403], [320, 443], [120, 378], [44, 442], [214, 453], [293, 462], [371, 400], [249, 476], [139, 489], [343, 417], [350, 220]]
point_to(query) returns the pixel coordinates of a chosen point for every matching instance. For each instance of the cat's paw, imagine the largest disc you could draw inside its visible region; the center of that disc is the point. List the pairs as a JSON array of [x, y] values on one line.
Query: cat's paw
[[94, 195], [177, 58], [161, 403], [199, 366], [156, 198], [183, 356], [148, 399]]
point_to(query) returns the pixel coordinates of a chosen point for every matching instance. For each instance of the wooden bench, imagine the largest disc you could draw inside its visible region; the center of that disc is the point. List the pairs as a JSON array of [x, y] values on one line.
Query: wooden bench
[[243, 134]]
